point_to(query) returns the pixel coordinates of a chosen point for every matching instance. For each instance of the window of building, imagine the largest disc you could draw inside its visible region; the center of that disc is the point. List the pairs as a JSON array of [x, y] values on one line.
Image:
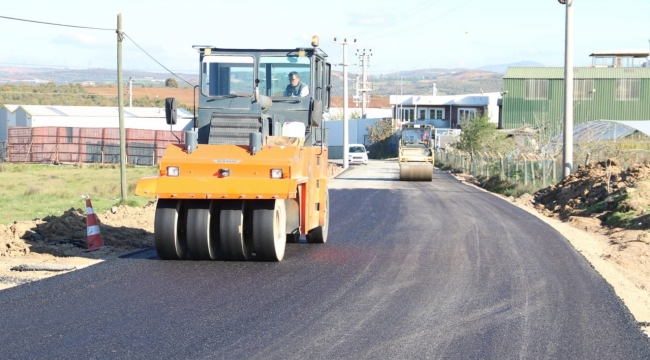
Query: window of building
[[536, 89], [422, 114], [437, 114], [627, 89], [464, 114], [583, 89], [408, 114]]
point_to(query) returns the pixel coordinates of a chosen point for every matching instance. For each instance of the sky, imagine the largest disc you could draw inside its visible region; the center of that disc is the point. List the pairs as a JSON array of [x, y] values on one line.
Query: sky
[[403, 35]]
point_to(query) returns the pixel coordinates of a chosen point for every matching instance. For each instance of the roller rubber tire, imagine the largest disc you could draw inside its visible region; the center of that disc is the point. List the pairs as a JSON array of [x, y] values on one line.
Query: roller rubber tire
[[318, 235], [269, 229], [170, 230], [203, 229], [233, 236]]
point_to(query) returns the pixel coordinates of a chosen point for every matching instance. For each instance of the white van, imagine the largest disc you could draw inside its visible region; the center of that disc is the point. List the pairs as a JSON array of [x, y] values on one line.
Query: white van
[[357, 154]]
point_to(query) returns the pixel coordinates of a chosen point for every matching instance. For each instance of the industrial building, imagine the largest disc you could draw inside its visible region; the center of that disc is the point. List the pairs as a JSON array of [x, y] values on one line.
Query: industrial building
[[616, 87]]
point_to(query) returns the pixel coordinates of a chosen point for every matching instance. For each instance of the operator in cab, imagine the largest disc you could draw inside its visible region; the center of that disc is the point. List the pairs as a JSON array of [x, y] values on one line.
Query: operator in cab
[[296, 87]]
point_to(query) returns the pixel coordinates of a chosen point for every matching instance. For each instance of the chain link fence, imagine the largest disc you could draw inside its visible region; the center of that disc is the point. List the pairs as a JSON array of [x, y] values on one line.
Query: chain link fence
[[531, 170]]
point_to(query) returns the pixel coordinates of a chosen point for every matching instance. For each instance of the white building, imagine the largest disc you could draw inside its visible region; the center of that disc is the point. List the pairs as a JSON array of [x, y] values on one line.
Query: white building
[[445, 111], [146, 118]]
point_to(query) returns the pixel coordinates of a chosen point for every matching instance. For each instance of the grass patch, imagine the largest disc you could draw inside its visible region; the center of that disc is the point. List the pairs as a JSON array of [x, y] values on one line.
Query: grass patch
[[621, 219], [506, 187], [36, 191]]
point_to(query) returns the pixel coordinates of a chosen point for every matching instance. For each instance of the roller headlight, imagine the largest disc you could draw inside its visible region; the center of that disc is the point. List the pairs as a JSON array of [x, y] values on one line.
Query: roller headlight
[[173, 171], [276, 173]]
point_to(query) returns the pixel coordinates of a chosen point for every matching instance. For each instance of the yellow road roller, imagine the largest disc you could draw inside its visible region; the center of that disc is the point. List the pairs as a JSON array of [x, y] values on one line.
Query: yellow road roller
[[416, 152], [251, 174]]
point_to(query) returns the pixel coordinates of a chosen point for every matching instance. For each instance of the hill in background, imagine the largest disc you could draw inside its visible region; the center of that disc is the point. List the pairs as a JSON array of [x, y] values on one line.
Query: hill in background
[[413, 82], [502, 68]]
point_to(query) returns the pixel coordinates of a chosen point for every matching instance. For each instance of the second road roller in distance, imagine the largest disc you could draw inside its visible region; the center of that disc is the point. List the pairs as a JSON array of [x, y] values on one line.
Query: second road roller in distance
[[252, 173], [416, 152]]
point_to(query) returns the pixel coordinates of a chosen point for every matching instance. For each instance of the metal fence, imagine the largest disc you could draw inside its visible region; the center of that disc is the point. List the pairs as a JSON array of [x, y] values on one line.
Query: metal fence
[[536, 171], [87, 145]]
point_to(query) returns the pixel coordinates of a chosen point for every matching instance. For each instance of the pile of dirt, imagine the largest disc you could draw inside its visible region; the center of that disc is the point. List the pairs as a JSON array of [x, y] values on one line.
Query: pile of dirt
[[603, 190], [123, 228]]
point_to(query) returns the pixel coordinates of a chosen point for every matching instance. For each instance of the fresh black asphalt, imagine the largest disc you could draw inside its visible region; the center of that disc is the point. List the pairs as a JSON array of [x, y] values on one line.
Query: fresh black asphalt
[[410, 271]]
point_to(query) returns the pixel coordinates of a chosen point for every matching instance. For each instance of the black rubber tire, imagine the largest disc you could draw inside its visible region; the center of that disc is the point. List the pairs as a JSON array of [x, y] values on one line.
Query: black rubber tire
[[318, 235], [235, 242], [203, 229], [170, 230], [269, 229]]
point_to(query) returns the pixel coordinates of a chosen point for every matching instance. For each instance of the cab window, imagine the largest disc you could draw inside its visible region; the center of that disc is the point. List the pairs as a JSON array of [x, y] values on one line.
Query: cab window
[[274, 74], [224, 75]]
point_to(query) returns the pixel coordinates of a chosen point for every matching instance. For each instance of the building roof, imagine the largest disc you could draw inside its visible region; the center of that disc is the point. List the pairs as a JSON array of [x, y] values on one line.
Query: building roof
[[578, 73], [93, 111], [629, 52], [467, 99], [375, 102]]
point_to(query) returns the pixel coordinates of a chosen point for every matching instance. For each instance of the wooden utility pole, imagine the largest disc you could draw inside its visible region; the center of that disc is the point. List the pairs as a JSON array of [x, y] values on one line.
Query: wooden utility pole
[[120, 105]]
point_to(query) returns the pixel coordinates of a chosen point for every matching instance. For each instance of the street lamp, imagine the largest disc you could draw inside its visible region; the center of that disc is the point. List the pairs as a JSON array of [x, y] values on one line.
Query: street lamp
[[568, 90]]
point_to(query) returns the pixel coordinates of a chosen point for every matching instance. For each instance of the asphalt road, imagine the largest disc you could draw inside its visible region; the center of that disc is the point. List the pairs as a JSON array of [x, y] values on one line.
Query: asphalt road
[[411, 270]]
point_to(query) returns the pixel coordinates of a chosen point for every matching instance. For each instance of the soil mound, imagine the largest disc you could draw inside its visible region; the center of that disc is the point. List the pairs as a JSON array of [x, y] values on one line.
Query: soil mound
[[600, 190], [121, 227]]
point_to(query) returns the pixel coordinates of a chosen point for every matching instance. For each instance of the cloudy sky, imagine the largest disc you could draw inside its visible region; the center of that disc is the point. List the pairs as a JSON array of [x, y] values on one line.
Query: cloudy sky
[[404, 35]]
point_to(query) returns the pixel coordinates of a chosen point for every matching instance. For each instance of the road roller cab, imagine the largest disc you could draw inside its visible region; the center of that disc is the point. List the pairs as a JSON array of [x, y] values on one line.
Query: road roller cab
[[251, 174], [416, 152]]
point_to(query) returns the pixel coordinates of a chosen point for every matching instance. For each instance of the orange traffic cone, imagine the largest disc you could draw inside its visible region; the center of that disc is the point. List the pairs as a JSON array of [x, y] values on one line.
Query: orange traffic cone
[[95, 240]]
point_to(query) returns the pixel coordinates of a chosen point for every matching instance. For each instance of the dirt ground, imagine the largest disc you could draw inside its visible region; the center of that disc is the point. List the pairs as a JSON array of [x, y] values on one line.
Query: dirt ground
[[184, 96], [37, 249]]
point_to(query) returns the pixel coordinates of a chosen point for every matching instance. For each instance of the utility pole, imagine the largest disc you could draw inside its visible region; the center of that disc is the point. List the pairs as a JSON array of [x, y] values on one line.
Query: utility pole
[[345, 64], [364, 57], [130, 92], [120, 105], [568, 90]]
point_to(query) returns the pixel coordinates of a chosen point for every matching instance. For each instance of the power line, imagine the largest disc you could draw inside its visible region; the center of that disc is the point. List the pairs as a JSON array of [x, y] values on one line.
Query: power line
[[94, 28], [75, 67], [152, 58], [56, 24]]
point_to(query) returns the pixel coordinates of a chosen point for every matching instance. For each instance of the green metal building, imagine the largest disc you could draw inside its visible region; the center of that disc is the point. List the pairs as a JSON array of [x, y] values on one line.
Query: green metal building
[[534, 96]]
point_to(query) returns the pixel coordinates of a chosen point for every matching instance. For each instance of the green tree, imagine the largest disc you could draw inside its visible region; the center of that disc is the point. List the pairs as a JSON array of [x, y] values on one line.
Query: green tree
[[171, 82], [480, 135], [379, 135]]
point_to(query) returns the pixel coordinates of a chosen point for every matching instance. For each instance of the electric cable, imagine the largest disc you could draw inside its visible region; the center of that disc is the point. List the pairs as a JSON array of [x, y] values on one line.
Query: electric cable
[[56, 24], [157, 62]]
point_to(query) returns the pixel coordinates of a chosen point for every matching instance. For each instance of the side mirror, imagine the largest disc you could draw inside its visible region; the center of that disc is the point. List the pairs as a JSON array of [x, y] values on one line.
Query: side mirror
[[170, 111]]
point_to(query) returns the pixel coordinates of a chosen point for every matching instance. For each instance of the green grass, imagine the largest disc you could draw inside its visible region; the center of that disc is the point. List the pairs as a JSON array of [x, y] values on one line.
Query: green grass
[[621, 219], [32, 191]]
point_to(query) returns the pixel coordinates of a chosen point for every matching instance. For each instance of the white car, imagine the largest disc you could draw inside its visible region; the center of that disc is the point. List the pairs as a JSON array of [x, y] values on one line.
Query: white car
[[357, 154]]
